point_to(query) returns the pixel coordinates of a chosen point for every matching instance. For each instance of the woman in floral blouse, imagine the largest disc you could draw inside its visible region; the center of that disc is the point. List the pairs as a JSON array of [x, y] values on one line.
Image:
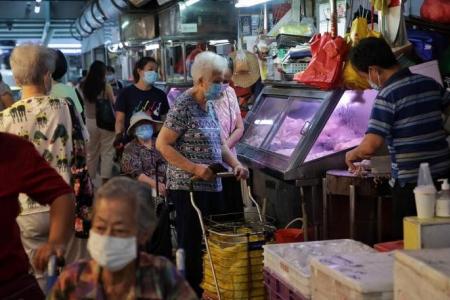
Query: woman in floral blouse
[[122, 222], [140, 158]]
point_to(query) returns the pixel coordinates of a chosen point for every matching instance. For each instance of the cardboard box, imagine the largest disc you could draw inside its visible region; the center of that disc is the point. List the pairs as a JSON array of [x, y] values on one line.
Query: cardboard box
[[423, 274], [426, 233]]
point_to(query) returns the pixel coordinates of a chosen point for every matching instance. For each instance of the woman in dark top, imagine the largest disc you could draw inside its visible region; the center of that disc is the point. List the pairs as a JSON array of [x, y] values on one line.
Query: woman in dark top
[[141, 96], [100, 144]]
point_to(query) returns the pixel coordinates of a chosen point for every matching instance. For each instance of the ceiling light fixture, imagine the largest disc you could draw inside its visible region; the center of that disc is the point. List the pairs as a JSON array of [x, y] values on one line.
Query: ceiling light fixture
[[248, 3], [187, 3], [38, 1], [37, 9]]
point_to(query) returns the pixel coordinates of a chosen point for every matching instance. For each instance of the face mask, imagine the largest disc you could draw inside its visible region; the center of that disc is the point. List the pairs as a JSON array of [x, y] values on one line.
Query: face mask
[[372, 84], [150, 77], [112, 253], [214, 91], [109, 78], [144, 132]]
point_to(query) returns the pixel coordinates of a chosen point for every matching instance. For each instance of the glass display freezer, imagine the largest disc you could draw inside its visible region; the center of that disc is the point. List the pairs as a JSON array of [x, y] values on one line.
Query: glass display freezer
[[296, 132]]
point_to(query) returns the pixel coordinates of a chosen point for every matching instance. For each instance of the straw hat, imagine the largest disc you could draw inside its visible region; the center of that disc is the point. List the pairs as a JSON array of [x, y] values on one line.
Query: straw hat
[[249, 74], [138, 118]]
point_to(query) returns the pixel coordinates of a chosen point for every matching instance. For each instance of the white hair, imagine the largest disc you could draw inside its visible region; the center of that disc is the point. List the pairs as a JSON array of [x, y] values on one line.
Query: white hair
[[136, 194], [206, 64], [30, 62]]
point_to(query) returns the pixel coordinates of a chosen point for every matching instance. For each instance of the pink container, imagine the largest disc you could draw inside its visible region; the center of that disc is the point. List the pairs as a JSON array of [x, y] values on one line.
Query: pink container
[[277, 289]]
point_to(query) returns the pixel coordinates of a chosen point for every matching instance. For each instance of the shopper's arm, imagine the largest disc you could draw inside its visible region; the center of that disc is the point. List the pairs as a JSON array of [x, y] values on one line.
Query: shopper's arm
[[165, 145], [239, 171], [369, 145], [120, 122], [234, 138], [110, 94], [7, 99], [62, 213], [152, 183]]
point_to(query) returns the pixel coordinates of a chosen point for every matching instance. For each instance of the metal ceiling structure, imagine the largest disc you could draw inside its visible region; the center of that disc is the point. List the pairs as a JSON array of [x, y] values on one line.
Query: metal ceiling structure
[[51, 24]]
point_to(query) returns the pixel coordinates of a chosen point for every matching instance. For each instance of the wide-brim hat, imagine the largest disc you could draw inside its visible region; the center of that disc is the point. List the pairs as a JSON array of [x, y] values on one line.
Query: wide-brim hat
[[249, 78], [138, 118]]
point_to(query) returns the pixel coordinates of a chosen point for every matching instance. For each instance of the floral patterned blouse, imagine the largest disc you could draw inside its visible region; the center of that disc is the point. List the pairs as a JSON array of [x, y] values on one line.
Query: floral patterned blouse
[[138, 159], [156, 279]]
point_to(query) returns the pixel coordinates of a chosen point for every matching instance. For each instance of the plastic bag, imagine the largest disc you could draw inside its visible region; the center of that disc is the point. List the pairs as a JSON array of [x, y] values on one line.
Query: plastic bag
[[326, 66], [436, 11], [241, 63], [352, 80]]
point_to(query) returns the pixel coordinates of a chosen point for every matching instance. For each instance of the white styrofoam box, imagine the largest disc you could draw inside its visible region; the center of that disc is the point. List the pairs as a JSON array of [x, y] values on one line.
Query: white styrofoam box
[[357, 276], [292, 261], [422, 274]]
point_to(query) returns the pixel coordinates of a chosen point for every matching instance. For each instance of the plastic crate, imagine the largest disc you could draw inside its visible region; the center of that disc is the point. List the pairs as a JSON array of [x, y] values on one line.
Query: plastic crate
[[277, 289], [389, 246], [294, 68]]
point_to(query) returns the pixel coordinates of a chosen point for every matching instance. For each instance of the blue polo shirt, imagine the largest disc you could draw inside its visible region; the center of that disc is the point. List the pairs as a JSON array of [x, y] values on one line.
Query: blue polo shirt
[[408, 114]]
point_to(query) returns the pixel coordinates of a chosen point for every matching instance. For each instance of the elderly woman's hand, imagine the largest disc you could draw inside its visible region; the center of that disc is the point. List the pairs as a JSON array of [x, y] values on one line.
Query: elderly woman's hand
[[203, 172], [240, 172], [43, 255]]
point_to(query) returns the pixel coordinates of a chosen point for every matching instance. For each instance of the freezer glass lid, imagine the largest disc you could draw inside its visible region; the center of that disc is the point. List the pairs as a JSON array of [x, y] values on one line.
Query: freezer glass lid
[[295, 126], [347, 124], [264, 120]]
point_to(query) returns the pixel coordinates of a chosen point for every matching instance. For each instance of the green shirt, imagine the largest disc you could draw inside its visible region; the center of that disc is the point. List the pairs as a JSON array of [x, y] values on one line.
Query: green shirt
[[61, 90]]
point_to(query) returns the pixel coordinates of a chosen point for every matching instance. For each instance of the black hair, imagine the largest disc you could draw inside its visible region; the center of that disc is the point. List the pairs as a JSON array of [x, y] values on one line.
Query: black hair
[[95, 81], [230, 64], [372, 51], [141, 65], [110, 69], [60, 65], [84, 73], [1, 77]]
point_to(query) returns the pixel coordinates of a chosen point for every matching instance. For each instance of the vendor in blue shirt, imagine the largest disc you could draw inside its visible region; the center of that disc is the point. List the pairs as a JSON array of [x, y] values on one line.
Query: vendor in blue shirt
[[141, 96], [407, 115]]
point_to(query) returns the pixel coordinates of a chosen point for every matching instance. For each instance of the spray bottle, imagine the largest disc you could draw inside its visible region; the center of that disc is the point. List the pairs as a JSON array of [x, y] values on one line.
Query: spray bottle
[[443, 201]]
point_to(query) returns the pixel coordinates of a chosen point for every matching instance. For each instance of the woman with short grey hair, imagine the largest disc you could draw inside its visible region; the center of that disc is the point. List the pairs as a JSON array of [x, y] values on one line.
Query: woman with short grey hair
[[190, 141], [56, 130], [124, 218]]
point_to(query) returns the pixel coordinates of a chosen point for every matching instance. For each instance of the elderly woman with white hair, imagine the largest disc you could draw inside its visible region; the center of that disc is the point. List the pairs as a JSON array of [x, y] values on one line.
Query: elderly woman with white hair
[[124, 218], [55, 128], [190, 141]]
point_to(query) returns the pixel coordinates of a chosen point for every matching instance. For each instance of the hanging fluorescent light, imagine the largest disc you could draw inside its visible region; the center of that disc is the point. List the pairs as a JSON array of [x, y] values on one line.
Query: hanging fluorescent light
[[219, 42], [151, 47], [38, 1], [125, 24], [37, 9], [187, 3], [247, 3]]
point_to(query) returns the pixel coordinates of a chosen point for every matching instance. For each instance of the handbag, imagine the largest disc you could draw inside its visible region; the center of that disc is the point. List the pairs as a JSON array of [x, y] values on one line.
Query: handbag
[[104, 114], [325, 69]]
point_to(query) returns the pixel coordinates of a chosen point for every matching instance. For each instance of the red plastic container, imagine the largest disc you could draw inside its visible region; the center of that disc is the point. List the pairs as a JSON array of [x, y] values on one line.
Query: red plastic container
[[277, 289], [289, 235], [389, 246]]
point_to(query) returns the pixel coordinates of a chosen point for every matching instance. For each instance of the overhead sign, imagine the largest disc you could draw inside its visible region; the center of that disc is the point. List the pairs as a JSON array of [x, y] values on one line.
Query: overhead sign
[[189, 28]]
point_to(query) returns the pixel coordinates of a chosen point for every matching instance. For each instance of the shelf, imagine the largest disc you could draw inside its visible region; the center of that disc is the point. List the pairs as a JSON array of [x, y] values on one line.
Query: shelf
[[442, 28]]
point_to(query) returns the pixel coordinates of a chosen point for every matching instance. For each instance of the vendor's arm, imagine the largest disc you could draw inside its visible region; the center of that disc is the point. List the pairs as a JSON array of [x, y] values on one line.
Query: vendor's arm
[[368, 147], [165, 145]]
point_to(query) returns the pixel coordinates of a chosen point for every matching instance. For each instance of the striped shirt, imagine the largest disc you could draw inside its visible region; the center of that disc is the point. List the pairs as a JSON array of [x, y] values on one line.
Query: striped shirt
[[408, 114]]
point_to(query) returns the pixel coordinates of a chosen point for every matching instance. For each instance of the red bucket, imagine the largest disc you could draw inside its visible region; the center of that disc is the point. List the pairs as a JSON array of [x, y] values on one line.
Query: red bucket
[[289, 235]]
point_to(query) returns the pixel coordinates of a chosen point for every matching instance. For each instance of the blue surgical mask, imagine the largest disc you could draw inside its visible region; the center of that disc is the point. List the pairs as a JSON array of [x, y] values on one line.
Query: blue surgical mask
[[150, 77], [144, 132], [214, 91]]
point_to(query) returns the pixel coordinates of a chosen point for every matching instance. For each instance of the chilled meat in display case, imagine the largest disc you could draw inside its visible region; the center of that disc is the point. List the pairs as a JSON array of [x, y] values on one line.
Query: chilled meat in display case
[[299, 133]]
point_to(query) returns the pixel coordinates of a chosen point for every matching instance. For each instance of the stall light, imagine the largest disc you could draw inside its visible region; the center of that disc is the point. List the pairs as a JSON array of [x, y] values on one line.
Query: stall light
[[151, 47], [38, 1], [126, 44], [219, 42], [71, 51], [125, 24], [37, 9], [263, 122], [65, 46], [247, 3]]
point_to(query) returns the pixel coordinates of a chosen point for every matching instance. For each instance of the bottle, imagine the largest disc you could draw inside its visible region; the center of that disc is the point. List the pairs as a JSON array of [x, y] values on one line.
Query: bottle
[[425, 193], [443, 201]]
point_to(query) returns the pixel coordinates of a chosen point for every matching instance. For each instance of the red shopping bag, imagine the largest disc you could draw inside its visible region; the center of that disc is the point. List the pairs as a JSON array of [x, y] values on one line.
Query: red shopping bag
[[436, 11], [325, 69]]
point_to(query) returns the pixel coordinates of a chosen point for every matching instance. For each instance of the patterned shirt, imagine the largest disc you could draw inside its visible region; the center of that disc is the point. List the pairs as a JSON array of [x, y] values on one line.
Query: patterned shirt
[[156, 279], [138, 159], [227, 107], [199, 141], [407, 113]]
